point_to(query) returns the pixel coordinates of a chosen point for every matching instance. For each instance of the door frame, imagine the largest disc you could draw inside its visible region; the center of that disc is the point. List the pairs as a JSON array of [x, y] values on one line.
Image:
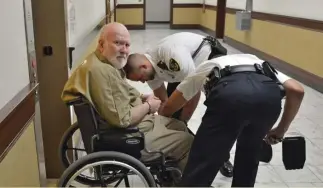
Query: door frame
[[220, 19]]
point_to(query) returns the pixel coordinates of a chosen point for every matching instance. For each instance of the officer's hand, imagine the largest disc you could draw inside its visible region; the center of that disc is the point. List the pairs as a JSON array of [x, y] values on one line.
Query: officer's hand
[[160, 110], [154, 104], [275, 136], [146, 97]]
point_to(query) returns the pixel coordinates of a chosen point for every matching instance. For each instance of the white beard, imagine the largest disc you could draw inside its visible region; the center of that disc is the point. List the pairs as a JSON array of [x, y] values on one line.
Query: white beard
[[118, 64]]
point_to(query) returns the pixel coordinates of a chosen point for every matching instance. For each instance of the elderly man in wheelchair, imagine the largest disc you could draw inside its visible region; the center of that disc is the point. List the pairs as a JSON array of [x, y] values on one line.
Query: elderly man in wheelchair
[[120, 132]]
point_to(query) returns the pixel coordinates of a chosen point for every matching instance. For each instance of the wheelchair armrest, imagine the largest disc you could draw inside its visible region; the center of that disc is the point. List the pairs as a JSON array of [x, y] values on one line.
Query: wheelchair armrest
[[78, 100], [128, 130], [132, 129]]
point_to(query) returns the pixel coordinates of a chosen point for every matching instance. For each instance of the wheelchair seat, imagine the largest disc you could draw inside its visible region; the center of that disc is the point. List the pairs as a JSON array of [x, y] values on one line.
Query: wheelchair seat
[[98, 135]]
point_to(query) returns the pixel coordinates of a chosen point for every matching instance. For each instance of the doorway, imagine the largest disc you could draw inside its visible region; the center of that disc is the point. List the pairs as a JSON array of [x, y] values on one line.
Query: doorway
[[158, 11]]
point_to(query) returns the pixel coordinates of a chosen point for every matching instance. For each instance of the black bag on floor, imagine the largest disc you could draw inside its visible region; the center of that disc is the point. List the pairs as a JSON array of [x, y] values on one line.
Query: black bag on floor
[[294, 152]]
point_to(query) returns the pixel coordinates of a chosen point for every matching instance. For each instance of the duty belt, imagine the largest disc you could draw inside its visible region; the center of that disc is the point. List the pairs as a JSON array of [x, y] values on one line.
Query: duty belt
[[215, 75]]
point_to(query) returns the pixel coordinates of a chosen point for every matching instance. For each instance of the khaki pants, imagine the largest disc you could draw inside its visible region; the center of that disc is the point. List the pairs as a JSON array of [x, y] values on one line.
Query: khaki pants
[[167, 135]]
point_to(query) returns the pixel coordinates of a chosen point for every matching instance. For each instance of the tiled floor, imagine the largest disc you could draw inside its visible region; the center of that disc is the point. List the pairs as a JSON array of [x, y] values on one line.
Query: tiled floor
[[309, 123]]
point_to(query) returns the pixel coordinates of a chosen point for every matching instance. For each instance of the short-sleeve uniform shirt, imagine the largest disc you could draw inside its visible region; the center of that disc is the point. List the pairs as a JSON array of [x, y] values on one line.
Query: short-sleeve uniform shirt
[[172, 57], [195, 81]]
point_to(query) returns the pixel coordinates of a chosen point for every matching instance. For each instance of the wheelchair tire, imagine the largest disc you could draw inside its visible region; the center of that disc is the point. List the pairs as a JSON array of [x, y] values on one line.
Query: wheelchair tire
[[62, 146], [64, 159], [101, 157]]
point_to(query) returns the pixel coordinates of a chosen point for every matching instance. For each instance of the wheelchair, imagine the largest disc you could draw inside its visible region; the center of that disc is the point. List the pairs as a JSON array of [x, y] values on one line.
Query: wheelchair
[[111, 154]]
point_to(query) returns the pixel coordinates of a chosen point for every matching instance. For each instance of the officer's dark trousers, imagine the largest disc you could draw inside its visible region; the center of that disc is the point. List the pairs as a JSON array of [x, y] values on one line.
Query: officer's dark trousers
[[242, 107], [170, 89]]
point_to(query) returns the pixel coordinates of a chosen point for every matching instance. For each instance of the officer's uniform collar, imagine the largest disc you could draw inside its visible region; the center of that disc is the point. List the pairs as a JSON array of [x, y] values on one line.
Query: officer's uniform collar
[[159, 72], [150, 59]]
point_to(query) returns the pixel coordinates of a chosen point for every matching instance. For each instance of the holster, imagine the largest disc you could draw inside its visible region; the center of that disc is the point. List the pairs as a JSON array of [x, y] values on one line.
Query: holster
[[271, 72], [216, 48]]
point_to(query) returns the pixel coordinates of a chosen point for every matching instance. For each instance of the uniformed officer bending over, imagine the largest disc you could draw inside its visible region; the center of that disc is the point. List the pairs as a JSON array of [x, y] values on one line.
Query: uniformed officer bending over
[[243, 105], [173, 59], [102, 81]]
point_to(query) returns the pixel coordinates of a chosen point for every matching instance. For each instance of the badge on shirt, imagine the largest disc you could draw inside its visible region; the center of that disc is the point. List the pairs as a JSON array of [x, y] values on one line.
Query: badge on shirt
[[173, 65], [162, 65]]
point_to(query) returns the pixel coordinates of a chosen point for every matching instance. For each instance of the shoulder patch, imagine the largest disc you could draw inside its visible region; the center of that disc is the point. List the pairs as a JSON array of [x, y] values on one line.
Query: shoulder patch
[[173, 65], [162, 65]]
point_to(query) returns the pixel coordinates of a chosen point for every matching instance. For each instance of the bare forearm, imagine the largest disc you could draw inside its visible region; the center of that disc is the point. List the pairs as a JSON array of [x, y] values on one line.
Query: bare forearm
[[161, 93], [174, 103], [292, 105], [138, 113], [190, 107]]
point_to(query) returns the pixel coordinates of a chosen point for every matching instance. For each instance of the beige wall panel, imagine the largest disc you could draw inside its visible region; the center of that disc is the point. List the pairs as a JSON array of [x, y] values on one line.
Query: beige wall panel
[[297, 46], [208, 19], [186, 15], [130, 16], [20, 166]]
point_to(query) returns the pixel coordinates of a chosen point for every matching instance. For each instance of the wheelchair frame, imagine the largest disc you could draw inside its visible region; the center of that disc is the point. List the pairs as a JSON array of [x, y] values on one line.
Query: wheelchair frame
[[89, 121]]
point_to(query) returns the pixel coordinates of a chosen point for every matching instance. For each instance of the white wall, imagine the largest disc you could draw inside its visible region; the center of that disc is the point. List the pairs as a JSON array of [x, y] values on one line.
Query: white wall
[[83, 16], [14, 73], [238, 4], [111, 4], [207, 2], [187, 1], [310, 9], [130, 1], [211, 2]]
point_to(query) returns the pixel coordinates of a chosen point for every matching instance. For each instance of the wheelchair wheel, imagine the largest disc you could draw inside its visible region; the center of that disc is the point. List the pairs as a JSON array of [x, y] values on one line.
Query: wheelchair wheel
[[64, 147], [106, 161], [66, 159]]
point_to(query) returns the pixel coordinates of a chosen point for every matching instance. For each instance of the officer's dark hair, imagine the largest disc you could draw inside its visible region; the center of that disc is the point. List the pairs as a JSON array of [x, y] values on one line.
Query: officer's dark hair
[[131, 63]]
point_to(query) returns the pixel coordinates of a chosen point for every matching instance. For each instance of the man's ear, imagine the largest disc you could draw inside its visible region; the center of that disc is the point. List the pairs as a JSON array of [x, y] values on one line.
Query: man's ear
[[100, 42]]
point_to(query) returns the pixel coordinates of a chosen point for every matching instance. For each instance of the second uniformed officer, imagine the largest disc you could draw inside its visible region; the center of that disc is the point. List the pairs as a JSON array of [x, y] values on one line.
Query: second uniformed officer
[[173, 59], [243, 100]]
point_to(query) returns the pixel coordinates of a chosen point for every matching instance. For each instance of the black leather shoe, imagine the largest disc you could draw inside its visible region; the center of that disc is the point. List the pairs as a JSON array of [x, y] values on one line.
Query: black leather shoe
[[227, 169]]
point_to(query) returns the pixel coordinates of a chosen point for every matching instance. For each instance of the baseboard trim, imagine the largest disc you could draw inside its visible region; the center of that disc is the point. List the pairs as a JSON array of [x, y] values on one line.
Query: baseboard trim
[[136, 27], [301, 75], [120, 6], [207, 30], [193, 26], [158, 22], [184, 26]]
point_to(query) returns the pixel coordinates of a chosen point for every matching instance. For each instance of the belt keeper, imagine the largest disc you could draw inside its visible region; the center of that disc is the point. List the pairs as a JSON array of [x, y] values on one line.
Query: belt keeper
[[258, 68], [226, 70]]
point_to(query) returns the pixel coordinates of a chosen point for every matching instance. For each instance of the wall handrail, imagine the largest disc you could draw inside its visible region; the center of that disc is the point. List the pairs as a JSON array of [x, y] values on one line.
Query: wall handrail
[[15, 116]]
